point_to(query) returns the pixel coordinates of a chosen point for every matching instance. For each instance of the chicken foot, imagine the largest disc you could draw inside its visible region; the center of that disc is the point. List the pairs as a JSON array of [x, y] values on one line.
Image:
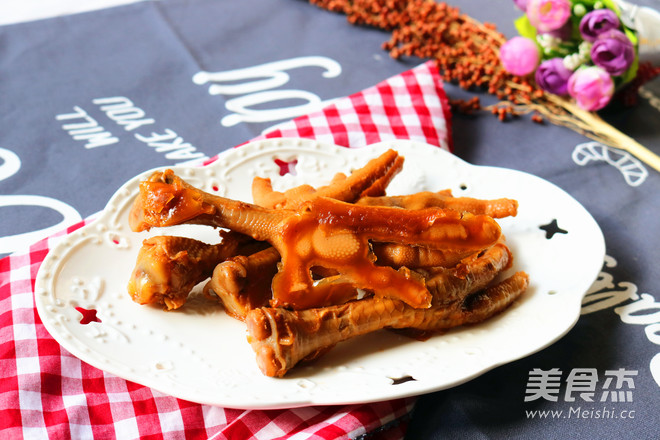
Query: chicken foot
[[372, 179], [417, 257], [323, 232], [234, 272], [496, 208], [168, 267], [281, 338], [448, 286], [242, 283], [472, 274]]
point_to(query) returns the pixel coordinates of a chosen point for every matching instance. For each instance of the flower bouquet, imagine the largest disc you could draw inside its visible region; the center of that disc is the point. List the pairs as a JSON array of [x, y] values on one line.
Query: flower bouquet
[[527, 76], [576, 48]]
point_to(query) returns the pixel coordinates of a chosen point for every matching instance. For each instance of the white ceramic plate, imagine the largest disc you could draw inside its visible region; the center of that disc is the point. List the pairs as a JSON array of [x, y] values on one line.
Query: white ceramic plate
[[200, 354]]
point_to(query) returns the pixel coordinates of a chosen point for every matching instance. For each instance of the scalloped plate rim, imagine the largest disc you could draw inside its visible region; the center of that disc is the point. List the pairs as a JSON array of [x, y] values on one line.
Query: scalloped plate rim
[[400, 391]]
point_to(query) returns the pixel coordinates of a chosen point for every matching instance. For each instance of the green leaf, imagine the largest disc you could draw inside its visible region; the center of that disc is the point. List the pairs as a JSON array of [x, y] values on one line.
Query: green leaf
[[525, 28], [588, 4], [631, 73], [631, 35], [610, 4]]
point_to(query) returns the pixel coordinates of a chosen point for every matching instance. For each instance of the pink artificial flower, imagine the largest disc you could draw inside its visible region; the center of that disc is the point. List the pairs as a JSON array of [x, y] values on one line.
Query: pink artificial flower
[[521, 4], [519, 56], [548, 15], [591, 87]]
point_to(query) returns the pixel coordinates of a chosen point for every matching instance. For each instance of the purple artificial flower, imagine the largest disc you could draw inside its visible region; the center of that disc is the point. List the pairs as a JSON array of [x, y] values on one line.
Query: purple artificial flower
[[597, 22], [521, 4], [552, 76], [519, 56], [591, 87], [613, 51], [548, 15]]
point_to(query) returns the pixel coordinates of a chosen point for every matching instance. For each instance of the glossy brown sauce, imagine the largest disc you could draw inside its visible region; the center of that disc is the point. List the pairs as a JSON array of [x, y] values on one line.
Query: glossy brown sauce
[[171, 204], [327, 233], [335, 235]]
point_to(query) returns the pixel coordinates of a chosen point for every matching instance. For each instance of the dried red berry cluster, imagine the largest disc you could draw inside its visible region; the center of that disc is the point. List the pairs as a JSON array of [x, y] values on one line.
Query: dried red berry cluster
[[466, 51], [645, 73]]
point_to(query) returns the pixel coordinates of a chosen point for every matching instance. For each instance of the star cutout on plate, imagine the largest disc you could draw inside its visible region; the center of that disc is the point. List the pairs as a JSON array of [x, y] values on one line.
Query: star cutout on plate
[[286, 167], [88, 315], [552, 228]]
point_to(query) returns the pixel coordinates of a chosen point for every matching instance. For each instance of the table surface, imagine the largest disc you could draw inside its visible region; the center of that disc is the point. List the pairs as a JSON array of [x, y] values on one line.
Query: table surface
[[60, 64]]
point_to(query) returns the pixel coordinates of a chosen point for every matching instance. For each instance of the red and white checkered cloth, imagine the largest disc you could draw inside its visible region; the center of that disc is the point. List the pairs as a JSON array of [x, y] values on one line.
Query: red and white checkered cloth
[[45, 392]]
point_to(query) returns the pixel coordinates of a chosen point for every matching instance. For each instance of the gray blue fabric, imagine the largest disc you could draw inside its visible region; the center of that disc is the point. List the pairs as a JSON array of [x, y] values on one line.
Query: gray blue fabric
[[58, 75]]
